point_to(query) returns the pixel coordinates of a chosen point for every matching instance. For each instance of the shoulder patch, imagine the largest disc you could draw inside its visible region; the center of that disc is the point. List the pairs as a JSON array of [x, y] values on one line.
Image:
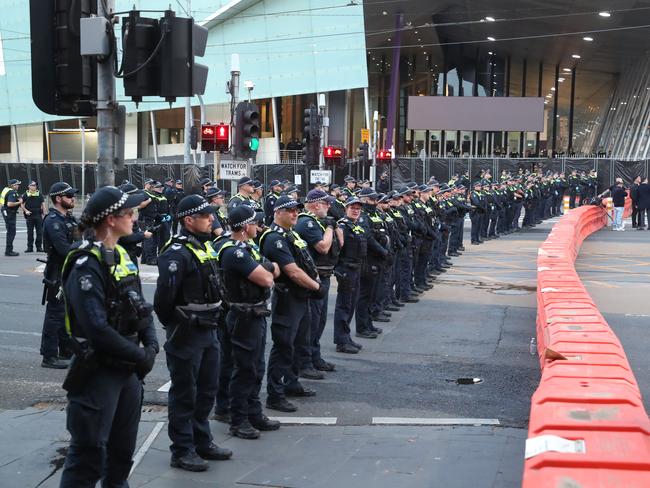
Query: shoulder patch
[[310, 224], [278, 244], [173, 266], [81, 260], [56, 226], [239, 253], [84, 282]]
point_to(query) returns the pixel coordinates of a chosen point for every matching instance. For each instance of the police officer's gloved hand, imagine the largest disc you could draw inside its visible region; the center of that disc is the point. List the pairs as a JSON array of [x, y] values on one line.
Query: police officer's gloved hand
[[329, 221], [320, 293], [144, 367]]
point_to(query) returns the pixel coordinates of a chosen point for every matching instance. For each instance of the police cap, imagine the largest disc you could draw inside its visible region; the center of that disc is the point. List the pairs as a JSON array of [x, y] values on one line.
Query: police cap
[[241, 215], [285, 202], [62, 188], [108, 200], [128, 188], [214, 192], [317, 195], [367, 193], [275, 183], [349, 179], [244, 180], [352, 201], [14, 181], [192, 205]]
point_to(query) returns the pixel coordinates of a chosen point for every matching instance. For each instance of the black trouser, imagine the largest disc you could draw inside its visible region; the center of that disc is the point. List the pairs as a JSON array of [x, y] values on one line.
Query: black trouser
[[517, 213], [54, 338], [347, 296], [422, 261], [404, 269], [289, 327], [635, 215], [103, 421], [643, 212], [247, 334], [572, 199], [225, 365], [310, 355], [191, 398], [149, 246], [369, 283], [475, 218], [10, 224], [34, 222]]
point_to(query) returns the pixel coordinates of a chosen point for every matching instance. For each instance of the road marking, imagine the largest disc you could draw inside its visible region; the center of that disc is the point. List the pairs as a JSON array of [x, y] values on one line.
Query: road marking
[[146, 445], [165, 388], [20, 332], [306, 420], [636, 315], [9, 275], [432, 421]]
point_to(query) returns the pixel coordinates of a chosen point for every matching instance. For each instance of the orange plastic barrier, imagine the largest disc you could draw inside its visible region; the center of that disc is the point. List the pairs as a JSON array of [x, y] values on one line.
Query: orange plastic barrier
[[588, 426]]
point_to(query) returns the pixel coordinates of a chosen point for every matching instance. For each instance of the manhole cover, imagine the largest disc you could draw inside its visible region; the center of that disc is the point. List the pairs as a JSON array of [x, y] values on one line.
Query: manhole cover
[[511, 292]]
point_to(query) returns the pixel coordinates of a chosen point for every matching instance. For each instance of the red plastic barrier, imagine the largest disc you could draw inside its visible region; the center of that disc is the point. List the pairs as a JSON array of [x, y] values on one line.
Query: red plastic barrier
[[587, 396]]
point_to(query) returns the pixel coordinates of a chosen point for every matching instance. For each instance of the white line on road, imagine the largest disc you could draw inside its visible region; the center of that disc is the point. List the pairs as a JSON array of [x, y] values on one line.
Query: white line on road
[[306, 420], [165, 388], [146, 445], [20, 332], [9, 275], [432, 421], [636, 315]]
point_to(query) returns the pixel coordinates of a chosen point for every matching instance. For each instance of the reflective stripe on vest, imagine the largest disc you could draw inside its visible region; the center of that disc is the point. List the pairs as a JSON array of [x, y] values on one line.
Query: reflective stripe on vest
[[203, 256], [307, 213], [3, 195]]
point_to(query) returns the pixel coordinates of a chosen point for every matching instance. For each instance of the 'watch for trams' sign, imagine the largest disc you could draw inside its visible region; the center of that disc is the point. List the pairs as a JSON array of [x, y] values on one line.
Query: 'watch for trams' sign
[[323, 175], [233, 170]]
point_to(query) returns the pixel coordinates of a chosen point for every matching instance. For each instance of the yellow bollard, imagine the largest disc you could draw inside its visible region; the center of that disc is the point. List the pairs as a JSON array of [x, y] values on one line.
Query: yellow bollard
[[567, 200], [610, 210]]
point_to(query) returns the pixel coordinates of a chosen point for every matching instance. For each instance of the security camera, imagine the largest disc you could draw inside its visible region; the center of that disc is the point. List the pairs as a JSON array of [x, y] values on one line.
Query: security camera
[[249, 85]]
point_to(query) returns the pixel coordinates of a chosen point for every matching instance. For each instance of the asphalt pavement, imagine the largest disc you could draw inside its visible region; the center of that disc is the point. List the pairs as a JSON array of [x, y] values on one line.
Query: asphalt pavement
[[393, 415]]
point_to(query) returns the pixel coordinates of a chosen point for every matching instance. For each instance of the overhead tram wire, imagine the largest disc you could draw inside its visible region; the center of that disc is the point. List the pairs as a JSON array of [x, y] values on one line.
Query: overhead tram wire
[[418, 45]]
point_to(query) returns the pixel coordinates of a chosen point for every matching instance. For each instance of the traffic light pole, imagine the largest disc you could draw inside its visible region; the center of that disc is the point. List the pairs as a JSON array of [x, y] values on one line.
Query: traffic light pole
[[234, 100], [106, 106]]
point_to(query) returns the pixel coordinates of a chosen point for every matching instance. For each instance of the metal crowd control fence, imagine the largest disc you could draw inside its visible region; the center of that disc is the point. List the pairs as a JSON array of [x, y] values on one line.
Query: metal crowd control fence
[[83, 176]]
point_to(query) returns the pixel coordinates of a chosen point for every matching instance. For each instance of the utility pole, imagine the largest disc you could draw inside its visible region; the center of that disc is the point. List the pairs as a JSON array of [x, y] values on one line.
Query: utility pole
[[106, 106], [187, 158], [233, 87]]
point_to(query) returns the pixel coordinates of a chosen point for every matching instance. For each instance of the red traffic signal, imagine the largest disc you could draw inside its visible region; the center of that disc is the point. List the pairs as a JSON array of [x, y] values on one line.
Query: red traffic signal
[[331, 152], [384, 155], [215, 137]]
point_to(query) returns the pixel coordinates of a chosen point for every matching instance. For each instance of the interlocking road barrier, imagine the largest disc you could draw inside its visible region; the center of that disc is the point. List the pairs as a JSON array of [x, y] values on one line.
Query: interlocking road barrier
[[588, 427]]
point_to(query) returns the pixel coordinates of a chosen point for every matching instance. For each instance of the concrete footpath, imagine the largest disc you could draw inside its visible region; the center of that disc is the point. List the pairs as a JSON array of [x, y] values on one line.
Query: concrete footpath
[[394, 415]]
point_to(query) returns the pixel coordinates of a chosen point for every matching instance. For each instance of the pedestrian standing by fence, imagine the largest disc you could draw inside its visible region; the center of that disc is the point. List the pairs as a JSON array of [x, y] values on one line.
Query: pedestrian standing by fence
[[644, 204], [619, 193]]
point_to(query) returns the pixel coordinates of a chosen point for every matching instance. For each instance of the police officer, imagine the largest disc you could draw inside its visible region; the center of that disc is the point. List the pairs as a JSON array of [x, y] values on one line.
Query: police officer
[[337, 210], [59, 232], [147, 216], [350, 186], [33, 208], [163, 217], [10, 202], [247, 279], [187, 301], [290, 319], [405, 292], [479, 208], [132, 243], [215, 198], [108, 320], [348, 275], [275, 190], [179, 193], [316, 228], [245, 188]]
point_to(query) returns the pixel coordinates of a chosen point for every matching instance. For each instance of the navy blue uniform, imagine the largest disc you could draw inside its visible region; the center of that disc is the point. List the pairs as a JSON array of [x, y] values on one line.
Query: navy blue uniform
[[187, 304], [290, 317], [104, 409], [9, 214], [33, 201], [59, 233]]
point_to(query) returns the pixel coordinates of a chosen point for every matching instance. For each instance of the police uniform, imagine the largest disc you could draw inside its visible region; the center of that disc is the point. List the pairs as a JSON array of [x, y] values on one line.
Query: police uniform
[[187, 301], [33, 201], [163, 219], [479, 205], [9, 195], [352, 258], [238, 198], [312, 230], [132, 243], [147, 220], [290, 311], [60, 231], [107, 319], [269, 203], [245, 329]]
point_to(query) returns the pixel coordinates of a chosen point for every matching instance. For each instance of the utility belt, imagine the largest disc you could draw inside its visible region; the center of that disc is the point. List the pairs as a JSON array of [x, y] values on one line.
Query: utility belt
[[325, 271], [260, 309], [351, 264], [294, 290], [51, 290], [201, 315]]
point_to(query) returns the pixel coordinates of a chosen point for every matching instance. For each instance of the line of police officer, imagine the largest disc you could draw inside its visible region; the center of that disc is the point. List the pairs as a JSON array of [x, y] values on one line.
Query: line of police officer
[[213, 297]]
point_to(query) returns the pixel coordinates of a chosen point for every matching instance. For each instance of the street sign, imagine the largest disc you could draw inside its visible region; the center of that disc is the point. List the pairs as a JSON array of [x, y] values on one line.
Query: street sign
[[324, 176], [233, 170], [365, 135]]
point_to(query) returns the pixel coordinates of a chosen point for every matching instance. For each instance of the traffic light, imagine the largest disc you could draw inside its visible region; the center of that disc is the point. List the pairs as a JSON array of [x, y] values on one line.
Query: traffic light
[[194, 137], [363, 154], [208, 138], [181, 40], [384, 155], [332, 154], [140, 38], [63, 82], [311, 132], [222, 137], [247, 129]]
